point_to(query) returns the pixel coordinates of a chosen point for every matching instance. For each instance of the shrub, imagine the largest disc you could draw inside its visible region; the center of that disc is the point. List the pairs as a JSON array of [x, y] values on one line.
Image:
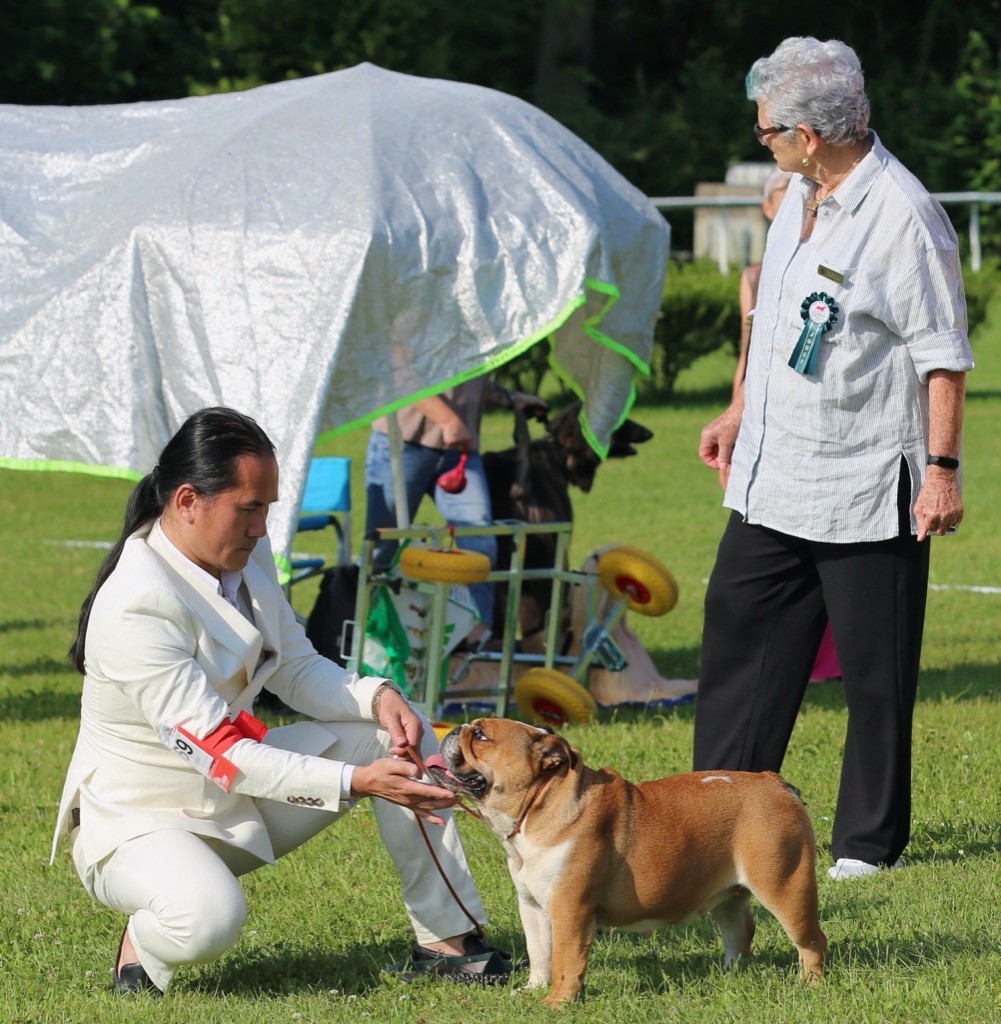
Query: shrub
[[981, 287], [700, 312], [530, 373]]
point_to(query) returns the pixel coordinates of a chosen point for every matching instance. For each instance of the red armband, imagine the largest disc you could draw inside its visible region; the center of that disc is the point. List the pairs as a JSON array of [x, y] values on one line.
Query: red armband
[[207, 755], [252, 728]]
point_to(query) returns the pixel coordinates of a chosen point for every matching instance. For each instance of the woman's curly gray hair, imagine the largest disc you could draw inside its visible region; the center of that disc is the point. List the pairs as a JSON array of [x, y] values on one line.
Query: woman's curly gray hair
[[806, 81]]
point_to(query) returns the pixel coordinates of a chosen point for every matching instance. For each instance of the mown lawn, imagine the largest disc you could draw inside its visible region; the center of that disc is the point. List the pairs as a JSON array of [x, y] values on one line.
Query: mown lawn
[[915, 945]]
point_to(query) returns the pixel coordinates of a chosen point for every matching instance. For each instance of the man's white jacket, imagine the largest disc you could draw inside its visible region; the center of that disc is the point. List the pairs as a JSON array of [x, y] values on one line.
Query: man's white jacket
[[168, 659]]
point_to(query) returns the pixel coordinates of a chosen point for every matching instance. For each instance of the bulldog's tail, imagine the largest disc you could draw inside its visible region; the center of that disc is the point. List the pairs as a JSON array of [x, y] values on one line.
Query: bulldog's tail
[[788, 785]]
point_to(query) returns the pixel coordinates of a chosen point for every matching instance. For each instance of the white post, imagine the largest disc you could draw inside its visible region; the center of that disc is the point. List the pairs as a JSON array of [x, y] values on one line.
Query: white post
[[724, 241], [396, 462], [975, 236]]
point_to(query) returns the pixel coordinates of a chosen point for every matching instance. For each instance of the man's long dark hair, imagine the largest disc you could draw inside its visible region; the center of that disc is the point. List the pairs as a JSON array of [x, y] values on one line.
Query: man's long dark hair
[[202, 453]]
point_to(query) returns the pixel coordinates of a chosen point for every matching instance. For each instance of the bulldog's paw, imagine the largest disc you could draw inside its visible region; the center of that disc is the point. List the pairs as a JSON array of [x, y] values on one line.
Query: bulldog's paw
[[559, 1000]]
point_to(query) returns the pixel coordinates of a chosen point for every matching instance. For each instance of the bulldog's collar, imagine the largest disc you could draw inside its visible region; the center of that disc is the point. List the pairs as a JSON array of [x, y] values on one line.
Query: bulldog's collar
[[528, 806]]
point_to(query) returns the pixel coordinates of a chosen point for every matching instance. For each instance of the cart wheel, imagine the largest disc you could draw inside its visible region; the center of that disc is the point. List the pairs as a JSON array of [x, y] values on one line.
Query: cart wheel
[[441, 729], [440, 566], [649, 585], [552, 698]]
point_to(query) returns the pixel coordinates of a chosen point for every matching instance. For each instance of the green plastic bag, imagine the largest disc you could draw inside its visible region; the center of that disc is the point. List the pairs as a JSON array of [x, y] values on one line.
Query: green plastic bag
[[397, 629], [387, 649]]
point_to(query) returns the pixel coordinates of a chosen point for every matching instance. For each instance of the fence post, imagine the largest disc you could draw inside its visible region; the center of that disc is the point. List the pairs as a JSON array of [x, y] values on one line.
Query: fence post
[[975, 236], [724, 240]]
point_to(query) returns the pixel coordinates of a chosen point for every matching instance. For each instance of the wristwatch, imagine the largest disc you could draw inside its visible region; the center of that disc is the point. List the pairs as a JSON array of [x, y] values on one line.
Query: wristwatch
[[943, 461]]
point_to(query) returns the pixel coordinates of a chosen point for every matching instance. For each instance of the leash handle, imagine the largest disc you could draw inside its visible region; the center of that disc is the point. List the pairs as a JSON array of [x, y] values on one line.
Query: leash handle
[[477, 927]]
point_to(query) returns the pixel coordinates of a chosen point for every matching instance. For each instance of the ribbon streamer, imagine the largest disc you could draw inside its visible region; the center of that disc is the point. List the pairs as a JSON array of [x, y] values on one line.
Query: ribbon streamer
[[820, 313]]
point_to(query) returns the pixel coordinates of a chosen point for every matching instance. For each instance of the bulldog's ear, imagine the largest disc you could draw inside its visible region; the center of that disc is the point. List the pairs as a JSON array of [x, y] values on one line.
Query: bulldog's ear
[[555, 752]]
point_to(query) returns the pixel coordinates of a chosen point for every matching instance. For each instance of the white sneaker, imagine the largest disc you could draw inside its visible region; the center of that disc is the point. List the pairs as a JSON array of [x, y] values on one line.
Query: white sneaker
[[848, 867]]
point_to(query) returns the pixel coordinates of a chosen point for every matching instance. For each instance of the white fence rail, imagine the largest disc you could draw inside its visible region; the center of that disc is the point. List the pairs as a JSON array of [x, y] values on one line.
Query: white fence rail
[[974, 200]]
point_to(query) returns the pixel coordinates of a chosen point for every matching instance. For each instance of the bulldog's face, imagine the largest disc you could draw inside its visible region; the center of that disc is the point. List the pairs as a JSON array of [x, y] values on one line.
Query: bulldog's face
[[492, 759]]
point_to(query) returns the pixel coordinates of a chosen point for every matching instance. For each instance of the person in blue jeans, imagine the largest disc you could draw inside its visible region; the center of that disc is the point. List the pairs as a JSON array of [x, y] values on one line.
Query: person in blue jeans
[[436, 432]]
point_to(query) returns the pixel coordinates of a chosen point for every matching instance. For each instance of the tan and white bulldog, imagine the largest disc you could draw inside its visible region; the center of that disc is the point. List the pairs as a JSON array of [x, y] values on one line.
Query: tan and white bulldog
[[587, 849]]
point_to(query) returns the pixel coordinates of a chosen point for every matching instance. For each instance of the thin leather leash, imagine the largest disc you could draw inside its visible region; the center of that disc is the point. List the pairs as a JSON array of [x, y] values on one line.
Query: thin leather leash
[[416, 758]]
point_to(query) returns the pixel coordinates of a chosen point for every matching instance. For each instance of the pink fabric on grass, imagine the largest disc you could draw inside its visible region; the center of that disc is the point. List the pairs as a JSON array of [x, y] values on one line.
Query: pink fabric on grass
[[826, 666]]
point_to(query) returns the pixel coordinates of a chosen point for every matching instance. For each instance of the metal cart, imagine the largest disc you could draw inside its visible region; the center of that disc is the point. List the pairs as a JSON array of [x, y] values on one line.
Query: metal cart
[[431, 564]]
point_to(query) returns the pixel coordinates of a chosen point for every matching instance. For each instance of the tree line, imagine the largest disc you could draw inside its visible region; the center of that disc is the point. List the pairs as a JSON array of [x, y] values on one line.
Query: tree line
[[656, 86]]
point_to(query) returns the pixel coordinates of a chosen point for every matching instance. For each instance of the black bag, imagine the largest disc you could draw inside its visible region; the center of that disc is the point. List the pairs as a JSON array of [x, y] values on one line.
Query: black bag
[[334, 604]]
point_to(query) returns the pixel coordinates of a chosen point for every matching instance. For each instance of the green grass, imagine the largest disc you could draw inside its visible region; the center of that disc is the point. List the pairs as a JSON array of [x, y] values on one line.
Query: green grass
[[915, 945]]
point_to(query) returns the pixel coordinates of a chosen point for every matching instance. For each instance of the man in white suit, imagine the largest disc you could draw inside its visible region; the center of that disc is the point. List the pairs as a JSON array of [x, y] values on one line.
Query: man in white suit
[[174, 788]]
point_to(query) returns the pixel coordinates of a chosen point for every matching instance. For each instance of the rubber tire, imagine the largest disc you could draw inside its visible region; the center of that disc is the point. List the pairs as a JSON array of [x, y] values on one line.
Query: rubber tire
[[657, 591], [434, 565], [548, 697], [441, 729]]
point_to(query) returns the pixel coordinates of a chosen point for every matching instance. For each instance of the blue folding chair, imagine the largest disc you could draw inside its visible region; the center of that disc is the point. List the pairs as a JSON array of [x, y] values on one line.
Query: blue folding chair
[[326, 502]]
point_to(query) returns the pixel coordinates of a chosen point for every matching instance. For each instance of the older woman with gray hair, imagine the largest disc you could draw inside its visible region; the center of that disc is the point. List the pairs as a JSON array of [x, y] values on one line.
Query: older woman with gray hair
[[841, 454]]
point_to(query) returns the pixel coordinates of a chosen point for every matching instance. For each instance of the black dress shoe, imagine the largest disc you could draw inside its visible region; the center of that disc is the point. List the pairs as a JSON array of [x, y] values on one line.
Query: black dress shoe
[[478, 963], [131, 978]]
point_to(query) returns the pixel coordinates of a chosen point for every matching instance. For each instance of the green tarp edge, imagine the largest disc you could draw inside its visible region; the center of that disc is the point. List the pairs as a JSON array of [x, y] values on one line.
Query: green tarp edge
[[611, 293]]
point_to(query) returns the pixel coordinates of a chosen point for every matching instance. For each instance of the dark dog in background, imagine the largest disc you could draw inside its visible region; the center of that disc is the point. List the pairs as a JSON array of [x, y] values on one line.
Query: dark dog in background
[[531, 482]]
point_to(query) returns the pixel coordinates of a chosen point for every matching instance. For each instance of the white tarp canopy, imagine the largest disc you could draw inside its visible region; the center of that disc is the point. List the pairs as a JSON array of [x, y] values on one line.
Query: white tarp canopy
[[313, 253]]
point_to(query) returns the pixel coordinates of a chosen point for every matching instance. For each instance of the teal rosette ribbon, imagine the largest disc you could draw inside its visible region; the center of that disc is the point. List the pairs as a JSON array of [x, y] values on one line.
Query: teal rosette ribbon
[[820, 313]]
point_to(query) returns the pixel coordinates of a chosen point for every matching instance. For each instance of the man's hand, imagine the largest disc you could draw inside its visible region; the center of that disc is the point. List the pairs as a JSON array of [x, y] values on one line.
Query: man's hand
[[395, 778], [397, 781], [448, 421], [400, 720], [455, 435], [531, 405]]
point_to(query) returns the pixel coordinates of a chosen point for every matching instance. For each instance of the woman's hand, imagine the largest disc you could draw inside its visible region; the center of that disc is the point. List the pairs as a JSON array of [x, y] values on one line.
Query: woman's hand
[[939, 507], [397, 781], [718, 438]]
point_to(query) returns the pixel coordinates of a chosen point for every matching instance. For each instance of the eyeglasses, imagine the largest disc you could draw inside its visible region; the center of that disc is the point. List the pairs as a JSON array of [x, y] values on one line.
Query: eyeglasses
[[760, 133]]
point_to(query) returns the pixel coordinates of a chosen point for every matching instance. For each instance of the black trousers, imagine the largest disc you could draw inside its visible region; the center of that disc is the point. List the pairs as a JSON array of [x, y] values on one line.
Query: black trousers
[[768, 600]]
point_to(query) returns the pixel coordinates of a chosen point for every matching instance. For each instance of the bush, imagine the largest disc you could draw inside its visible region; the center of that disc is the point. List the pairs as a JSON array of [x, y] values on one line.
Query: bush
[[700, 312], [530, 373], [981, 286]]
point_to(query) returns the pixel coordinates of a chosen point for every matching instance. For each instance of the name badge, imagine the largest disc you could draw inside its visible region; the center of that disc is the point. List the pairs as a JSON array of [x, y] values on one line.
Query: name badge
[[831, 275]]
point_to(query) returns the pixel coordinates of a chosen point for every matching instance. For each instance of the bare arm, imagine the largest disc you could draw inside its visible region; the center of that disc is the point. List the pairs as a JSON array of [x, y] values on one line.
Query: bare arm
[[939, 505], [502, 398], [746, 296], [453, 430]]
